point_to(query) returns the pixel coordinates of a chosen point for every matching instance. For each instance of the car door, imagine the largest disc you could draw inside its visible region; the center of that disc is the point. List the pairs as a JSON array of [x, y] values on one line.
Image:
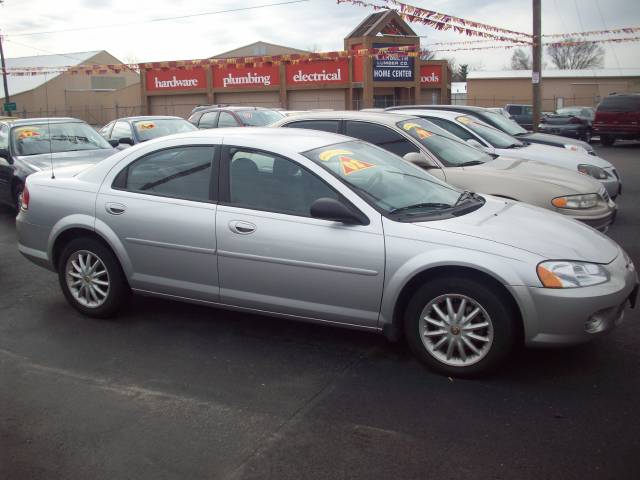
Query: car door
[[162, 206], [6, 166], [273, 256], [390, 140]]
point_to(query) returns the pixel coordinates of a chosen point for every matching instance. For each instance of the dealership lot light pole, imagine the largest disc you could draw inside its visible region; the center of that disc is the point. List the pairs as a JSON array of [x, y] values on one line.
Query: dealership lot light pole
[[536, 74]]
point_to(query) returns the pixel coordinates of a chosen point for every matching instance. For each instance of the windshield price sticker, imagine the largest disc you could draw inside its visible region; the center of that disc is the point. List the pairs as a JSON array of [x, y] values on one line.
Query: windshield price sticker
[[464, 120], [147, 126], [351, 165], [27, 133], [421, 132], [329, 154]]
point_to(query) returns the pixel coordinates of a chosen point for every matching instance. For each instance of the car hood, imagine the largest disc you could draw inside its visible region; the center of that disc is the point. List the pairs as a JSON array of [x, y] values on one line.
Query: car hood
[[554, 140], [65, 159], [535, 230], [561, 157], [567, 180]]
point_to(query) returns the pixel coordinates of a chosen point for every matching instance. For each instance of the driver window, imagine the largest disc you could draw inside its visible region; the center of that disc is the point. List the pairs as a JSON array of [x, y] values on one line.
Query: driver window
[[264, 181]]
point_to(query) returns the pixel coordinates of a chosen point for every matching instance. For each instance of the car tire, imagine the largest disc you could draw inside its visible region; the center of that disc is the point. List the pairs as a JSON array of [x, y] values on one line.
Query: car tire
[[17, 193], [484, 347], [607, 140], [102, 287], [587, 136]]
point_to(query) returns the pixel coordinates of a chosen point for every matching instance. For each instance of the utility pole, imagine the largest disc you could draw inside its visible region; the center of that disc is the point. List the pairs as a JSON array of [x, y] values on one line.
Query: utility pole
[[7, 99], [536, 74]]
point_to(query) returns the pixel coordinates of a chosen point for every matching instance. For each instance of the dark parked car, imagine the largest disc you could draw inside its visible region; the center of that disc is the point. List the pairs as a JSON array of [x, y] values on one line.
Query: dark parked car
[[618, 117], [507, 125], [573, 122], [31, 145], [522, 114], [219, 117], [128, 131]]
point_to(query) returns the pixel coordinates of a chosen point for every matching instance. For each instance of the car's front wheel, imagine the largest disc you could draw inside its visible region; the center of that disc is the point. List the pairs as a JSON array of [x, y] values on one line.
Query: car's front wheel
[[587, 136], [460, 326], [607, 140], [91, 278]]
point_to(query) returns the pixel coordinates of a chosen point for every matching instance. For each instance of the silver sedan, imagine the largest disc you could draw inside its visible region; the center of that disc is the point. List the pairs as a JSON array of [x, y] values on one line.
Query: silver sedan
[[319, 227]]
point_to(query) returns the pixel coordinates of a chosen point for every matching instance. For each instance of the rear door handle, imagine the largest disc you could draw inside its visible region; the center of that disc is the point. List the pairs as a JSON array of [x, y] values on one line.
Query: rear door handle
[[115, 208], [241, 228]]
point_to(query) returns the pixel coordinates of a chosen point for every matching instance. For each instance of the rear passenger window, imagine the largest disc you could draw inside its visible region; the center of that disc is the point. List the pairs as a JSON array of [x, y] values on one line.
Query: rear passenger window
[[183, 172], [324, 125], [263, 181], [208, 120], [382, 136], [514, 109]]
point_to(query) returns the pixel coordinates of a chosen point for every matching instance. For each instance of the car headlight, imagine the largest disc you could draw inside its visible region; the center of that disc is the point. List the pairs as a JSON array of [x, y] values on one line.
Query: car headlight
[[568, 274], [577, 202], [593, 171]]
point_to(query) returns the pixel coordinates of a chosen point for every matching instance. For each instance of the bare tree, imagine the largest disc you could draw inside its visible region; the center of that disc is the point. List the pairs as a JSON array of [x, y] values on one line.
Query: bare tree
[[520, 60], [577, 56], [426, 54]]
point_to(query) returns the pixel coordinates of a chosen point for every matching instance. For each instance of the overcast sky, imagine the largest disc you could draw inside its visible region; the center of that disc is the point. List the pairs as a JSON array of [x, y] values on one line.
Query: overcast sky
[[313, 24]]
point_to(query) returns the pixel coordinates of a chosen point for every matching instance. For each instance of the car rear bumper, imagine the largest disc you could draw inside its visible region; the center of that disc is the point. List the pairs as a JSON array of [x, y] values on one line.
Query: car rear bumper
[[555, 317], [617, 132]]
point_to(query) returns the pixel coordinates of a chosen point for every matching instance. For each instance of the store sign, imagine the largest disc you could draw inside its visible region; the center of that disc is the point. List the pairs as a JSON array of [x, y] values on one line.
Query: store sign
[[430, 75], [313, 73], [246, 77], [175, 79], [392, 67]]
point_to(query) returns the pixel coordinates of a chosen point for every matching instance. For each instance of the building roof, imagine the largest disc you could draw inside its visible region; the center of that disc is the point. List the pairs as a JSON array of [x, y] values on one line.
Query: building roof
[[589, 73], [257, 49], [20, 84], [386, 22]]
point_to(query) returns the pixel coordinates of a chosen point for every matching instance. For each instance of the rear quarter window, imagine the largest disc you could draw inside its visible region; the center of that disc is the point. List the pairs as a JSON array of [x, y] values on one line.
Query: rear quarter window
[[620, 103]]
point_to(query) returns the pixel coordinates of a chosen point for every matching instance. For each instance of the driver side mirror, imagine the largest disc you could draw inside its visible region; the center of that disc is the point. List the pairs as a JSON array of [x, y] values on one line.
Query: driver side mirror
[[420, 160], [125, 141], [336, 211], [114, 143]]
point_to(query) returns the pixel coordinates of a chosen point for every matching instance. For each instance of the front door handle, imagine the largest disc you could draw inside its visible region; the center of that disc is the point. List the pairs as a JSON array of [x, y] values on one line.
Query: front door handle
[[115, 208], [242, 228]]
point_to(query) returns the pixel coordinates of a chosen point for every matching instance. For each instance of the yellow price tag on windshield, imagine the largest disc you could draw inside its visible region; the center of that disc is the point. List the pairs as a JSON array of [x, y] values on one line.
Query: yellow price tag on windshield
[[329, 154], [464, 120], [148, 125], [351, 165], [27, 133]]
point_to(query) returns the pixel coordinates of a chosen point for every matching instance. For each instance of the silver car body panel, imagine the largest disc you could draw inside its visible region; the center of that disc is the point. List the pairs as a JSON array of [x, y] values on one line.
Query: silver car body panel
[[312, 269]]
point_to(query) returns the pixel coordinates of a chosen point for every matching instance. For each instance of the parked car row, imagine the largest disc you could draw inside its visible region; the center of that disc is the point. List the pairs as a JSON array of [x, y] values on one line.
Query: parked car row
[[414, 222]]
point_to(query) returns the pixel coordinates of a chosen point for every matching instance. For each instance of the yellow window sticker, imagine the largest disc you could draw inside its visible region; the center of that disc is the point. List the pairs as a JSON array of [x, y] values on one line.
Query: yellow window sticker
[[27, 133], [464, 120], [329, 154], [420, 132], [147, 126], [409, 126], [351, 165]]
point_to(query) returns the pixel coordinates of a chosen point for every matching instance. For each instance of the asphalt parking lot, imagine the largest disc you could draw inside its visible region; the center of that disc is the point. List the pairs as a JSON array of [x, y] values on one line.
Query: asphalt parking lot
[[170, 390]]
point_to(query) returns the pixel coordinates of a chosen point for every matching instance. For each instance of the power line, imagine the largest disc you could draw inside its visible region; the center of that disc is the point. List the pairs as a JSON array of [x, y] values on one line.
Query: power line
[[604, 25], [161, 19]]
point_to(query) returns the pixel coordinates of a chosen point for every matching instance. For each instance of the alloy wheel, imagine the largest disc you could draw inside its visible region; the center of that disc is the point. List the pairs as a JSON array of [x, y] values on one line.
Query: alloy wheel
[[87, 278], [456, 330]]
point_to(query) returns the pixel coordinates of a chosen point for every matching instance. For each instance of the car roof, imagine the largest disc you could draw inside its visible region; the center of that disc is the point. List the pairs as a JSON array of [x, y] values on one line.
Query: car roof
[[147, 117], [41, 121], [233, 108], [437, 113], [379, 117], [282, 139], [459, 108]]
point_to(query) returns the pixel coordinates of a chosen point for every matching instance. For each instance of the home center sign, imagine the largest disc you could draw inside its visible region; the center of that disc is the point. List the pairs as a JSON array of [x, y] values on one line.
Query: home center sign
[[392, 67]]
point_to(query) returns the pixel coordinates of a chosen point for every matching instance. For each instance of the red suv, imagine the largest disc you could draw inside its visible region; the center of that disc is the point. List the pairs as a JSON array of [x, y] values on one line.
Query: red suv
[[618, 116]]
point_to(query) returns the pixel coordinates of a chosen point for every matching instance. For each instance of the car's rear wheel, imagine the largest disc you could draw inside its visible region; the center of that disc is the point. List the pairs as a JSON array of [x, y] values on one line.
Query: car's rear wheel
[[587, 136], [459, 326], [91, 278], [607, 140], [17, 194]]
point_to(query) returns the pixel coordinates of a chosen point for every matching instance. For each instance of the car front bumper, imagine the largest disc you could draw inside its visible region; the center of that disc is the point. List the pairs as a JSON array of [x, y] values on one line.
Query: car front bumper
[[599, 218], [556, 317]]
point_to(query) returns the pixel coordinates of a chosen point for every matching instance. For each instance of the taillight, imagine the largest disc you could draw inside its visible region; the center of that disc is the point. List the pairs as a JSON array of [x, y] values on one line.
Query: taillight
[[24, 199], [576, 120]]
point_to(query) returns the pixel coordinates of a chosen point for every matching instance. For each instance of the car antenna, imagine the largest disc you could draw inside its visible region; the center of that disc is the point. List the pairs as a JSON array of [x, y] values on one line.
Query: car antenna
[[46, 99]]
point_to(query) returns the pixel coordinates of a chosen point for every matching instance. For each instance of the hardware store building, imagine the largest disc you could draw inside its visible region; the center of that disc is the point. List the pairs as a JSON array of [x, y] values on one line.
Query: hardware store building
[[347, 81]]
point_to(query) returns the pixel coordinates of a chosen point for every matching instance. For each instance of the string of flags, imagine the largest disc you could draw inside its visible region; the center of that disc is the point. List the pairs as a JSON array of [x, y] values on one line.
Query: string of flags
[[236, 62]]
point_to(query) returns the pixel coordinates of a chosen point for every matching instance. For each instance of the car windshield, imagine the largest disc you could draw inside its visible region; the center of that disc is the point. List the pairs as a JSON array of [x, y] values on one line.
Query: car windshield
[[392, 184], [492, 135], [56, 137], [507, 125], [259, 118], [159, 127], [452, 153]]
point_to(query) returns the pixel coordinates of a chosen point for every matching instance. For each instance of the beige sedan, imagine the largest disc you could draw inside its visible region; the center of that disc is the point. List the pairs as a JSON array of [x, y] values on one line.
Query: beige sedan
[[446, 157]]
